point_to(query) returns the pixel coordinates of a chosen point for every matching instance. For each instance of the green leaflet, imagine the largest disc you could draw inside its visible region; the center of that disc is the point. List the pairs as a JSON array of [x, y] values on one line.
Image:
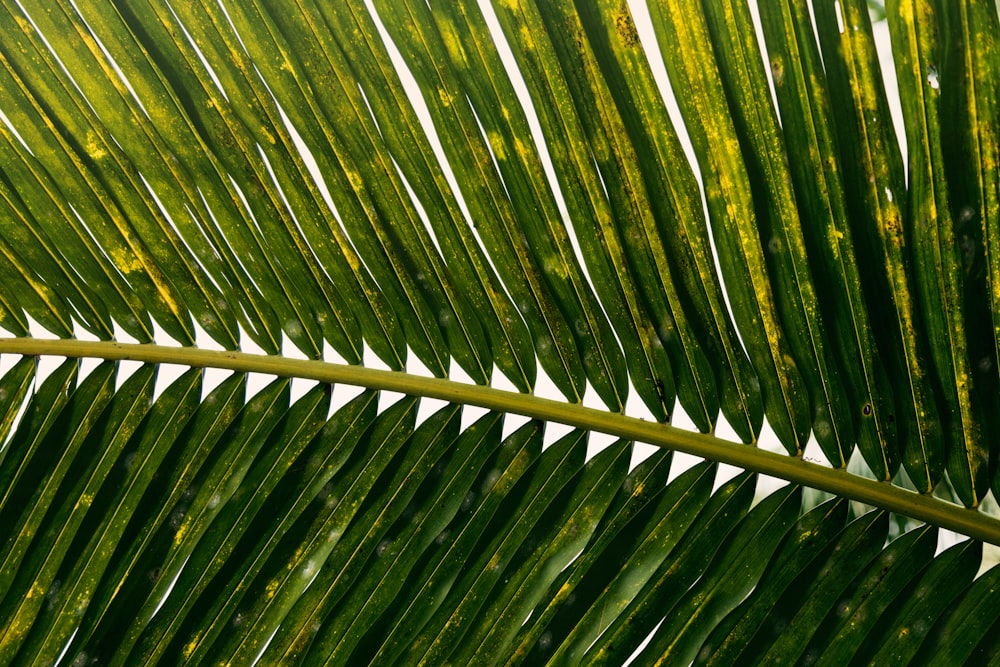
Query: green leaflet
[[28, 236], [874, 182], [694, 73], [971, 151], [216, 481], [393, 229], [967, 633], [687, 550], [173, 158], [364, 472], [910, 619], [436, 573], [108, 517], [541, 58], [14, 387], [388, 502], [726, 581], [378, 101], [817, 173], [577, 512], [513, 207], [612, 215], [679, 247], [811, 538], [29, 481], [506, 541], [778, 225], [241, 137], [34, 297], [136, 571], [572, 594], [929, 225], [225, 584], [279, 583], [870, 593], [794, 619], [159, 171], [104, 187], [447, 483], [75, 253], [102, 422]]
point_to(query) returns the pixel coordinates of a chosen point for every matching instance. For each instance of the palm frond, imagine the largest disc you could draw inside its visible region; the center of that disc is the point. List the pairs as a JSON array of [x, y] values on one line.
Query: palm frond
[[495, 193]]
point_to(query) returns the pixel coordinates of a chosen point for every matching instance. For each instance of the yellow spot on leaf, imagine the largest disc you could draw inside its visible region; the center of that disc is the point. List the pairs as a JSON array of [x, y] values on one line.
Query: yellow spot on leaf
[[94, 147], [189, 648], [526, 39], [524, 151], [125, 261], [452, 42], [496, 143]]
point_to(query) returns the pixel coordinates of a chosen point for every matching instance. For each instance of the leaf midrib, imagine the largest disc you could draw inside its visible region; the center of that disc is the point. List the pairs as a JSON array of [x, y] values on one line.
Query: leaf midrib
[[882, 495]]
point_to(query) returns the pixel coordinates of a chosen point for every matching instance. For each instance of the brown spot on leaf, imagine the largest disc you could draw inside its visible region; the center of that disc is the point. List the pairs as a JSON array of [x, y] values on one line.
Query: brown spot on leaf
[[626, 28]]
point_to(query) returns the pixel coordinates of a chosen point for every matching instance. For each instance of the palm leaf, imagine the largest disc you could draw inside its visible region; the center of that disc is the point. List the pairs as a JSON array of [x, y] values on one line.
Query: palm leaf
[[353, 226]]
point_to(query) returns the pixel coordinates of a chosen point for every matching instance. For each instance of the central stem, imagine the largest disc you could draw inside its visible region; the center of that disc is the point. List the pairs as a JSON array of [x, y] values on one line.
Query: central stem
[[839, 482]]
